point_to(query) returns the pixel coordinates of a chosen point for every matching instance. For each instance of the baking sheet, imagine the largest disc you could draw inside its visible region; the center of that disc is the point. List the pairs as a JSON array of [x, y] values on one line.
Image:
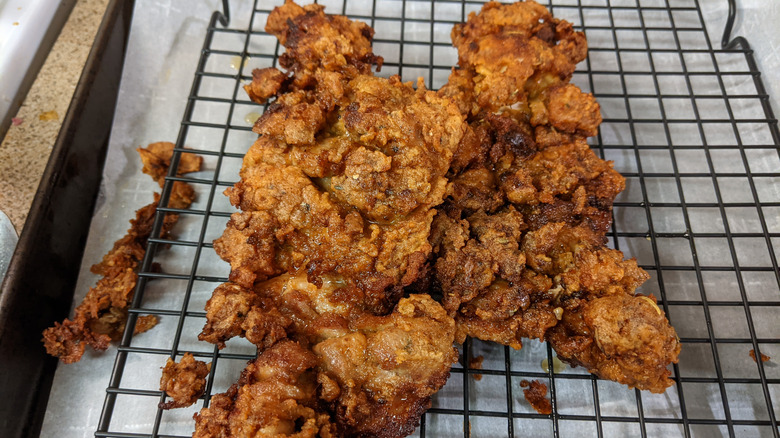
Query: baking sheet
[[153, 94]]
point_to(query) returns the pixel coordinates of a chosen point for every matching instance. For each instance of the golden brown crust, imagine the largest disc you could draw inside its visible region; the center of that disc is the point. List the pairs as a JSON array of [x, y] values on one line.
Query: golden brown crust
[[184, 382], [276, 396], [605, 326], [526, 191], [266, 82], [318, 42], [374, 374], [345, 190], [535, 394], [102, 315]]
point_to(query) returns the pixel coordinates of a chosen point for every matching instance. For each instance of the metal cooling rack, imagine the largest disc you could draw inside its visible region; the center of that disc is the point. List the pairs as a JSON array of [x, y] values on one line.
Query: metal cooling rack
[[687, 123]]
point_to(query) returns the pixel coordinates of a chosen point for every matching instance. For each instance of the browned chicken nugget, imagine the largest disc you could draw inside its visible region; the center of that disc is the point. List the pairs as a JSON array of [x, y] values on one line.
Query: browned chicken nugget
[[184, 382]]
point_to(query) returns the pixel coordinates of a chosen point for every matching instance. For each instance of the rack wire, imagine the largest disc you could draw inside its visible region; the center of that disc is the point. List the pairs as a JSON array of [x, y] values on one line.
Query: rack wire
[[687, 123]]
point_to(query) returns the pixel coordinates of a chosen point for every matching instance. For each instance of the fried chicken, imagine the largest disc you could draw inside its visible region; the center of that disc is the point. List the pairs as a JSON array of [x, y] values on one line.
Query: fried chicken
[[358, 186], [344, 188], [519, 243], [275, 397], [184, 382], [535, 394], [605, 325], [102, 315], [337, 197], [321, 49], [374, 374]]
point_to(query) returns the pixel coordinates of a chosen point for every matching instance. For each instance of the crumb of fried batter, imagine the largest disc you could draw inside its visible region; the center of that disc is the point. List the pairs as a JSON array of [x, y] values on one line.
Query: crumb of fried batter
[[475, 363], [156, 159], [184, 382], [102, 315], [535, 393], [764, 357]]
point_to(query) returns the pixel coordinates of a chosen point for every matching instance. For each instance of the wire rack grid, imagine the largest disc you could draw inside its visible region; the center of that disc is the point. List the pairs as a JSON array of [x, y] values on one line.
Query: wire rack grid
[[687, 123]]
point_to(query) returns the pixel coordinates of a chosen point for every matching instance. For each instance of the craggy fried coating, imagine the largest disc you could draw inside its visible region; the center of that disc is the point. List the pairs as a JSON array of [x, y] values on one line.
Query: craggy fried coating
[[512, 53], [235, 311], [343, 189], [316, 41], [480, 269], [317, 44], [605, 326], [266, 83], [535, 394], [276, 396], [378, 373], [184, 382], [375, 374], [102, 315], [519, 243], [337, 197]]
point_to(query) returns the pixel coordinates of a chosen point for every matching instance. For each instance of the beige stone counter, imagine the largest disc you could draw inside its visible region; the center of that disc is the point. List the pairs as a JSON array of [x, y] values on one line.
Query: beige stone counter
[[26, 147]]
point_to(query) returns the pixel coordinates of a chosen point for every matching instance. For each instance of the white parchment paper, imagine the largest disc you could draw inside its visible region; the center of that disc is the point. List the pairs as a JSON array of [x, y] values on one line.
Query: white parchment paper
[[164, 48]]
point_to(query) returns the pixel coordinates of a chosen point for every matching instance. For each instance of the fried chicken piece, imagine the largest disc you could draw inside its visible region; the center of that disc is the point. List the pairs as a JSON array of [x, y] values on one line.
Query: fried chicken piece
[[527, 192], [376, 374], [480, 269], [276, 396], [102, 315], [156, 159], [266, 83], [605, 326], [519, 56], [323, 51], [184, 382], [234, 311], [535, 394], [346, 190]]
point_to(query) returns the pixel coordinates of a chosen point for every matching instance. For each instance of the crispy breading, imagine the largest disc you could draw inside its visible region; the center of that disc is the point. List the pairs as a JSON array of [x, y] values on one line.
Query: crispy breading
[[102, 315], [266, 83], [323, 51], [184, 382], [376, 374], [605, 325], [276, 396], [337, 196], [535, 393], [519, 243], [347, 191]]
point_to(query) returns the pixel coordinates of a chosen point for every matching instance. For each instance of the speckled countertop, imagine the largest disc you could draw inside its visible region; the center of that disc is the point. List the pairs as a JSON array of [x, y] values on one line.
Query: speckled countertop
[[26, 147]]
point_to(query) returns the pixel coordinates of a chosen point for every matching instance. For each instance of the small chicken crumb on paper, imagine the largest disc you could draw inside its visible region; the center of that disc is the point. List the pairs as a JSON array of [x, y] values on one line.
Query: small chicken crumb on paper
[[475, 363], [184, 382], [535, 393], [764, 357]]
